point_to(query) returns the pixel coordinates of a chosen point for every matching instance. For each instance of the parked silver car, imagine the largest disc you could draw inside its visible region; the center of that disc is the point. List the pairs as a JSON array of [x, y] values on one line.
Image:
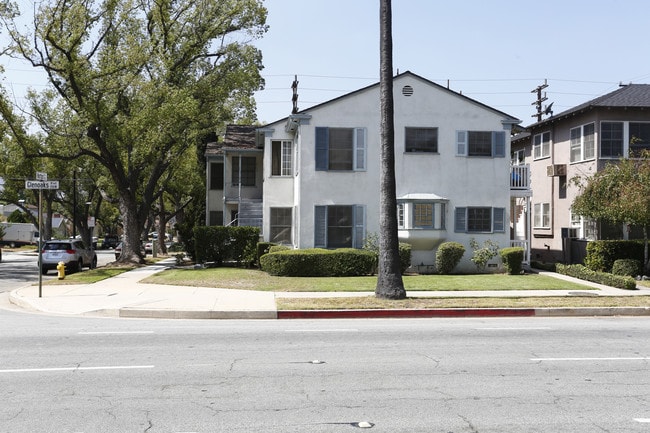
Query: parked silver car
[[73, 253]]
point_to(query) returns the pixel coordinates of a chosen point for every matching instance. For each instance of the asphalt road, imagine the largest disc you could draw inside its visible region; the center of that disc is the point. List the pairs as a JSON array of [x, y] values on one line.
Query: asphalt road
[[430, 375], [21, 268]]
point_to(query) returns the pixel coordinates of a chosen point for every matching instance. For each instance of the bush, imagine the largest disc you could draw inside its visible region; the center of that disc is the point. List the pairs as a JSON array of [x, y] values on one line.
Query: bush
[[512, 258], [584, 273], [550, 267], [218, 244], [602, 254], [317, 262], [404, 256], [483, 254], [627, 267], [448, 256]]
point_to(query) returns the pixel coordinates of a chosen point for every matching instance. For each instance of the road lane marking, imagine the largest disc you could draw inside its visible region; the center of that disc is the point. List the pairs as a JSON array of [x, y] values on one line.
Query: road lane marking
[[646, 420], [113, 332], [640, 358], [542, 328], [41, 370], [321, 330]]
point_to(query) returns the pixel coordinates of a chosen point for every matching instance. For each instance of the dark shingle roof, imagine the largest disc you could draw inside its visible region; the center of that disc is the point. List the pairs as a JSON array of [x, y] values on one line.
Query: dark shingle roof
[[628, 96], [236, 137]]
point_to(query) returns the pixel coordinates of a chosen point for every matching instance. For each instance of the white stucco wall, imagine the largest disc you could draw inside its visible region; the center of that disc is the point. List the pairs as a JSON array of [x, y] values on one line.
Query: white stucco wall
[[465, 181]]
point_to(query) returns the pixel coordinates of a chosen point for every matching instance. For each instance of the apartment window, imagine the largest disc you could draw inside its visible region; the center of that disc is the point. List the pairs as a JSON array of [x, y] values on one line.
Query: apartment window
[[611, 139], [518, 157], [423, 215], [582, 143], [400, 215], [216, 175], [281, 161], [243, 168], [479, 219], [339, 226], [542, 145], [542, 215], [639, 137], [216, 218], [281, 225], [342, 149], [421, 140], [481, 143]]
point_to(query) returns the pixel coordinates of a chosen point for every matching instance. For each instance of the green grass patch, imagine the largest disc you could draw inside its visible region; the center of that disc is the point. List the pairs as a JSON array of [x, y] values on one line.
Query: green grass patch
[[89, 277], [253, 279]]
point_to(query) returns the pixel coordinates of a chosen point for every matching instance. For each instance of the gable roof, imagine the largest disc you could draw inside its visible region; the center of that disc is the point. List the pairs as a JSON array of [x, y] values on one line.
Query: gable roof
[[238, 137], [627, 96], [510, 118]]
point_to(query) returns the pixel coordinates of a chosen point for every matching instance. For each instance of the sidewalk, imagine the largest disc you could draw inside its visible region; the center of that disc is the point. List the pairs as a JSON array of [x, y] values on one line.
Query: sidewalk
[[125, 296]]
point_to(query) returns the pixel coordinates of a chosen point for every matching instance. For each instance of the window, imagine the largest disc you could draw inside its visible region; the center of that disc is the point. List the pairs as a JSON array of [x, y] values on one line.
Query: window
[[400, 215], [216, 175], [421, 140], [246, 170], [281, 224], [611, 139], [639, 137], [480, 219], [582, 143], [341, 149], [542, 145], [339, 226], [481, 143], [518, 157], [216, 218], [281, 161], [542, 215], [423, 215]]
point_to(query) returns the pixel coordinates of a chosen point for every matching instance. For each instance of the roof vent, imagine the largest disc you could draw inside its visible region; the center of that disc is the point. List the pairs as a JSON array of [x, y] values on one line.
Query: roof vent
[[407, 90]]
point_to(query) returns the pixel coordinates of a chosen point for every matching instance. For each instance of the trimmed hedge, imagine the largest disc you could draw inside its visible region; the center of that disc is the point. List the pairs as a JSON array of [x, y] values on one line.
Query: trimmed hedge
[[404, 256], [448, 256], [318, 262], [217, 244], [512, 258], [627, 267], [584, 273], [602, 254]]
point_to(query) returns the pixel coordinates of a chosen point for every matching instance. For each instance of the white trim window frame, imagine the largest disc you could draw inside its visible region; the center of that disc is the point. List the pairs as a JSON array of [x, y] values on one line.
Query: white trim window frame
[[542, 215], [582, 142], [340, 149], [281, 158], [487, 144], [542, 145]]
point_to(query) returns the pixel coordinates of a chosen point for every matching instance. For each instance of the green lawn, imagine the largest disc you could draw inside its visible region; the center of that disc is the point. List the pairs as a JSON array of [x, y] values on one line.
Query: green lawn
[[252, 279]]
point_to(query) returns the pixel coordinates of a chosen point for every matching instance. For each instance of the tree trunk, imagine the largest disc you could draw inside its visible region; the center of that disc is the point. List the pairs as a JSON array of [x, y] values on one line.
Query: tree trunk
[[389, 279], [131, 245]]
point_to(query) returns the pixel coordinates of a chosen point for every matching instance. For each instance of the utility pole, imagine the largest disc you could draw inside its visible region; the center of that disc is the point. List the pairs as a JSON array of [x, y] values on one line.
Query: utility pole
[[540, 99], [294, 97]]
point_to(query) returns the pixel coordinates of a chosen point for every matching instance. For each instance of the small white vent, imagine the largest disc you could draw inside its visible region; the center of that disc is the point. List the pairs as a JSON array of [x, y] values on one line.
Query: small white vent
[[407, 90]]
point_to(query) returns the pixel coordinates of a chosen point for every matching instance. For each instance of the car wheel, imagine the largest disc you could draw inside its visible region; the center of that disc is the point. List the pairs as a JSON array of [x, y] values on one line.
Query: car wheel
[[44, 271], [93, 264], [80, 265]]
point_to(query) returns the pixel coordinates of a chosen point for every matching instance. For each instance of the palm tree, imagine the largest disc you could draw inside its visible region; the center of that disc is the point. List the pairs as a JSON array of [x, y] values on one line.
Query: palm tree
[[389, 280]]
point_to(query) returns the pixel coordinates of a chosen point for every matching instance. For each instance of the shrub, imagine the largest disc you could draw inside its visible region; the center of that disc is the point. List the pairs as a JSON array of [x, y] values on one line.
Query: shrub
[[276, 248], [263, 248], [627, 267], [512, 258], [602, 254], [448, 256], [404, 256], [483, 254], [217, 244], [584, 273], [543, 266], [317, 262]]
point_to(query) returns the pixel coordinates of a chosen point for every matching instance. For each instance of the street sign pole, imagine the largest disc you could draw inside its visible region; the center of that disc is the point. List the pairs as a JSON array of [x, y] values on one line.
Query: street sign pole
[[40, 184]]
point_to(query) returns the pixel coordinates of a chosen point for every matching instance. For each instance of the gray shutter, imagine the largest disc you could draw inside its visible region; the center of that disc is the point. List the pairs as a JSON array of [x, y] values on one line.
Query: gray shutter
[[360, 149], [320, 226], [322, 148], [460, 220], [461, 143], [499, 144], [498, 219], [359, 226]]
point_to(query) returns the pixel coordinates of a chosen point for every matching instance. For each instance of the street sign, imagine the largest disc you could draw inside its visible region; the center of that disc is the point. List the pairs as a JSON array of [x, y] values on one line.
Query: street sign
[[41, 176], [40, 184]]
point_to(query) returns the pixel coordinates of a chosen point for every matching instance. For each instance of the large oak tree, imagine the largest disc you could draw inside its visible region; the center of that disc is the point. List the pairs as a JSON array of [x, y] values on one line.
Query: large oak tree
[[136, 84]]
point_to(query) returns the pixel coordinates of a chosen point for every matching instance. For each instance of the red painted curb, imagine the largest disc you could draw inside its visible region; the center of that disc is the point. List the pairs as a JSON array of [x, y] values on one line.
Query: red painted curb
[[368, 314]]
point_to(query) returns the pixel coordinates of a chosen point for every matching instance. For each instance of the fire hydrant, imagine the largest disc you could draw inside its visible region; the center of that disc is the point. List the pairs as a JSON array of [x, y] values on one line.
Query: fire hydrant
[[61, 268]]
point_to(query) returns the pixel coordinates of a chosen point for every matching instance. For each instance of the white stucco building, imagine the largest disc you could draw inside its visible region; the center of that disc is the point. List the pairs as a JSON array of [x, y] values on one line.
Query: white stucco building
[[321, 169]]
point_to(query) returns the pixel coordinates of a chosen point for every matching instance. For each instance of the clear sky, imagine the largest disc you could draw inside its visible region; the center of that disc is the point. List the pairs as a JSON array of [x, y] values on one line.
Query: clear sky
[[494, 51]]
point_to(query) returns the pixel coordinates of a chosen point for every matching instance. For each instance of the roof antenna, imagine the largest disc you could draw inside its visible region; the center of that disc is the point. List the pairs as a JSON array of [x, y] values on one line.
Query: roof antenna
[[294, 98]]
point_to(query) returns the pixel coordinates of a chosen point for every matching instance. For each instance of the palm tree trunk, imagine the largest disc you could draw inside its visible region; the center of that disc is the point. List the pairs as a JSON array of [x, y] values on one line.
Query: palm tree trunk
[[389, 280]]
